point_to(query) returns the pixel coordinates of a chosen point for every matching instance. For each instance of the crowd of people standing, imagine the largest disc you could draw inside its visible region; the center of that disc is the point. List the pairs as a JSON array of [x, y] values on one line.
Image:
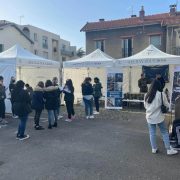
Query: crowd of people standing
[[46, 96]]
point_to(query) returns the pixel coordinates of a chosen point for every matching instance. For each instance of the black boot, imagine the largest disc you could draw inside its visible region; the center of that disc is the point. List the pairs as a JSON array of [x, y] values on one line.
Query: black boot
[[55, 124], [50, 126]]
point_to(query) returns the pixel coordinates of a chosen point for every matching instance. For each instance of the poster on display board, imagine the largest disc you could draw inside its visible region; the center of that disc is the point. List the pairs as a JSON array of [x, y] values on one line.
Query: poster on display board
[[114, 83], [176, 86]]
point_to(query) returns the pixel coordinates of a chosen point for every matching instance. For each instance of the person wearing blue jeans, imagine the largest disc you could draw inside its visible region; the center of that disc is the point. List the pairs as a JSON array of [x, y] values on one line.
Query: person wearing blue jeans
[[152, 102], [51, 102], [164, 132], [22, 126], [87, 92], [51, 117], [88, 107], [22, 107]]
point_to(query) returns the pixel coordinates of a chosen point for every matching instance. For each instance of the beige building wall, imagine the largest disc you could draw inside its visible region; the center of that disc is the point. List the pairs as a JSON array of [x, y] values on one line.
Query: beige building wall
[[53, 41], [9, 36]]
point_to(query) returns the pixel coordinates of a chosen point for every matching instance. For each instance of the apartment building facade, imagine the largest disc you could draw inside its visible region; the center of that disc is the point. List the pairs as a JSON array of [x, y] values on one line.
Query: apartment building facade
[[68, 52], [125, 37], [38, 41]]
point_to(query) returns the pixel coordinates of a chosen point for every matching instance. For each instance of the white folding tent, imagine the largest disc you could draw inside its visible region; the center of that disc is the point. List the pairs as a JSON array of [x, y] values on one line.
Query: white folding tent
[[26, 66], [95, 59], [150, 56], [92, 65]]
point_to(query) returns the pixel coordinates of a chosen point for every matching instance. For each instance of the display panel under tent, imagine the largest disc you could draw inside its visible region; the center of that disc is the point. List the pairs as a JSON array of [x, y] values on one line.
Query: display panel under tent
[[26, 66]]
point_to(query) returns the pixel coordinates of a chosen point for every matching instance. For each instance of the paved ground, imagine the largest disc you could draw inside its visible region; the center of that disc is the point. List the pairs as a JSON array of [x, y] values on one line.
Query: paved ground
[[113, 146]]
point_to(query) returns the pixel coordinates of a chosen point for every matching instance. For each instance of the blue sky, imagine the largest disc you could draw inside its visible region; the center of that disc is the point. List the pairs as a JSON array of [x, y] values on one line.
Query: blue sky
[[67, 17]]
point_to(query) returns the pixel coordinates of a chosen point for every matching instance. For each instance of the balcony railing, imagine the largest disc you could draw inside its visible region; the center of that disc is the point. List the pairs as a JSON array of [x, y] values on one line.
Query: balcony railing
[[67, 53], [126, 52]]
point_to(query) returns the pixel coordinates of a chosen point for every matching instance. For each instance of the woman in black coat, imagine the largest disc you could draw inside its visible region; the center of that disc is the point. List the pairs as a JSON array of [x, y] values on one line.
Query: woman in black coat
[[22, 107], [69, 99], [51, 102], [38, 104]]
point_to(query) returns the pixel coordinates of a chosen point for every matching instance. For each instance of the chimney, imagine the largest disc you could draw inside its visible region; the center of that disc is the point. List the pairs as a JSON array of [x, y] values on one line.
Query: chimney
[[172, 9], [142, 13], [101, 20]]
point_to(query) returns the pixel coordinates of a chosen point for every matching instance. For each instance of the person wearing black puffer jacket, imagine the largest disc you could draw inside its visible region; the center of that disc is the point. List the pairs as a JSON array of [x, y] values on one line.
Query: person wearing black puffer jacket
[[38, 104], [87, 92], [51, 102], [22, 108], [69, 99]]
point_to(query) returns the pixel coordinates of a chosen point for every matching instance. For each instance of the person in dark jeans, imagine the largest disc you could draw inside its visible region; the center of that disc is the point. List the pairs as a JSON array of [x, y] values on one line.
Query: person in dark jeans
[[38, 104], [97, 93], [2, 102], [22, 108], [87, 92], [51, 102], [69, 99]]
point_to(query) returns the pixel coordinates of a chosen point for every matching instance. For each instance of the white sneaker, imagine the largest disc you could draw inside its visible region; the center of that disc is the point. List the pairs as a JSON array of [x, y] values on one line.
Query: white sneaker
[[154, 151], [171, 151], [95, 112], [60, 117], [15, 117], [91, 117], [87, 117], [68, 120], [4, 122], [24, 137]]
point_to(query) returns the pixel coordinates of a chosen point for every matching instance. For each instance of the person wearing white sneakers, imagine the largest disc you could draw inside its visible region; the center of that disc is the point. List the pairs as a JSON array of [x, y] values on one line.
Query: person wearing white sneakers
[[68, 91], [155, 117], [87, 92]]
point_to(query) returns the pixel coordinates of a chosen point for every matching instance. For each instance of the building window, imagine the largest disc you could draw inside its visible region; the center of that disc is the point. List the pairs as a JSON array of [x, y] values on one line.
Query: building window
[[100, 45], [26, 31], [45, 54], [35, 37], [35, 52], [127, 47], [45, 42], [1, 48], [155, 40]]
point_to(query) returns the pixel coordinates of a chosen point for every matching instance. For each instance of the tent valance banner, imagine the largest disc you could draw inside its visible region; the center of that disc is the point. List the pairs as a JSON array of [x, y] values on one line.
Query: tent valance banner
[[22, 57], [176, 86], [113, 97], [148, 57], [95, 59]]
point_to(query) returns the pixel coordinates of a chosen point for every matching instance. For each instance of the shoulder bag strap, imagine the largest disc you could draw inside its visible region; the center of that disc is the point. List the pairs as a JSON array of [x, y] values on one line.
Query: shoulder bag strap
[[162, 98]]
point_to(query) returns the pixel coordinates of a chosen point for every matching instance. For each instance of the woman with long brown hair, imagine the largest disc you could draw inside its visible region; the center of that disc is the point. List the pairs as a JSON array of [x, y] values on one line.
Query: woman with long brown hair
[[155, 117]]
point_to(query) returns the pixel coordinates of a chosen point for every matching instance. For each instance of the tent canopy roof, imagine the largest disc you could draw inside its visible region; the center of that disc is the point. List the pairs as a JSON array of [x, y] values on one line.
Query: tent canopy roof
[[95, 59], [149, 56], [22, 57]]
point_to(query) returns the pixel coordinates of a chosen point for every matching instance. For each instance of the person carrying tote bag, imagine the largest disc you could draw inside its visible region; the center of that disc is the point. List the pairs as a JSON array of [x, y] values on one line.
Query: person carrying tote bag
[[155, 117]]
